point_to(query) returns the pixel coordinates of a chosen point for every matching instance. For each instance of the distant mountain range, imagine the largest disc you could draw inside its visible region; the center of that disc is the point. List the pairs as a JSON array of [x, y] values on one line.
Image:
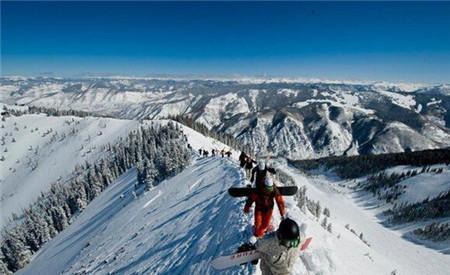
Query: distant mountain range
[[281, 117]]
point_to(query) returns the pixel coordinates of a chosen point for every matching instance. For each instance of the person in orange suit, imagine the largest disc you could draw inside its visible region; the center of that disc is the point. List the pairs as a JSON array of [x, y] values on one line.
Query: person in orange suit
[[264, 202]]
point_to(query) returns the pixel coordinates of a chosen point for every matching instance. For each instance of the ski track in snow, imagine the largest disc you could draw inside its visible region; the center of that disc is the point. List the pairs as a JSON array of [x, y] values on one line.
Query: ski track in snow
[[152, 199]]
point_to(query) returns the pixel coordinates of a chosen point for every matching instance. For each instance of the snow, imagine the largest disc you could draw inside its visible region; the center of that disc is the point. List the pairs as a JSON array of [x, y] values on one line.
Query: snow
[[350, 99], [405, 101], [199, 141], [419, 108], [340, 103], [180, 225], [434, 102], [7, 89], [253, 93], [287, 92], [388, 251], [55, 150], [406, 87], [218, 105], [212, 113], [179, 229], [427, 185]]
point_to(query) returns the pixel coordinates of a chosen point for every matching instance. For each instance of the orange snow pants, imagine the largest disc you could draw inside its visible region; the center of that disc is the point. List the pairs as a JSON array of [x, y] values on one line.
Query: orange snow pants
[[262, 222]]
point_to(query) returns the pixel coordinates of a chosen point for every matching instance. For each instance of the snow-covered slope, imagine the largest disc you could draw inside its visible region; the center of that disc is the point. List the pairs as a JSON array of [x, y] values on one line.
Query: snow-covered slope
[[179, 226], [38, 150], [176, 228], [289, 118], [424, 185], [388, 250]]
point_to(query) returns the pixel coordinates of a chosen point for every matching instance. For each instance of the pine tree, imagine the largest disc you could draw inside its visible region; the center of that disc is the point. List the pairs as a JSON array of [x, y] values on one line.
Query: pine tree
[[326, 212], [3, 265], [318, 210], [330, 228], [324, 222], [16, 253]]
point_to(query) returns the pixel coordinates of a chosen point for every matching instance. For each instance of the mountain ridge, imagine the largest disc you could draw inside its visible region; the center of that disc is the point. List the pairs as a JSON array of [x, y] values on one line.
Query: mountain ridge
[[301, 120]]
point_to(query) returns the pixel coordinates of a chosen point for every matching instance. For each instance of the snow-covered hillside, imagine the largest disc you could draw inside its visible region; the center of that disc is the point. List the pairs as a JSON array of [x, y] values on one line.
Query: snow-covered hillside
[[354, 213], [179, 226], [175, 228], [298, 119], [38, 150]]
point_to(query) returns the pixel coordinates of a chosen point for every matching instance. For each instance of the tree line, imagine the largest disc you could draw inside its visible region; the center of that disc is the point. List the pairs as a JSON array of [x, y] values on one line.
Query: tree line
[[358, 166], [49, 112], [437, 207], [435, 232]]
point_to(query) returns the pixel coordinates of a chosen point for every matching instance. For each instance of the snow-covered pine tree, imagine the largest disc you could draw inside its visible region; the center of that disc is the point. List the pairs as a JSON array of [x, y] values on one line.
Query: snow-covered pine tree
[[318, 210], [324, 223], [14, 249], [151, 175], [330, 228], [326, 212], [3, 266]]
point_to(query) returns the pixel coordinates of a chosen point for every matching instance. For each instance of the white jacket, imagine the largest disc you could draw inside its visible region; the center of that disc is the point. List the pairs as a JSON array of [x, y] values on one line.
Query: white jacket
[[277, 259]]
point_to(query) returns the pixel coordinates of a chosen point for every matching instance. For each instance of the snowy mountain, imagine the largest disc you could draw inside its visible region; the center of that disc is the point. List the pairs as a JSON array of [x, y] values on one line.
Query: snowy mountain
[[183, 223], [155, 150], [283, 117], [358, 216], [407, 192], [38, 150]]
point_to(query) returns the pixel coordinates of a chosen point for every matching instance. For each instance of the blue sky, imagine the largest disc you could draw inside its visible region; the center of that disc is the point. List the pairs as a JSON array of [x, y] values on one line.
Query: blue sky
[[393, 41]]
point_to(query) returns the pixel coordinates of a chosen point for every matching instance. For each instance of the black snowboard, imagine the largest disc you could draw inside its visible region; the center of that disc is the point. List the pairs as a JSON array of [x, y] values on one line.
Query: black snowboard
[[245, 191]]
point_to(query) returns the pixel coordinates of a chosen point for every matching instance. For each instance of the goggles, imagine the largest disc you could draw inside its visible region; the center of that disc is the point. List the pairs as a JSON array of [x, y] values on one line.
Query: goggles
[[290, 243], [269, 188]]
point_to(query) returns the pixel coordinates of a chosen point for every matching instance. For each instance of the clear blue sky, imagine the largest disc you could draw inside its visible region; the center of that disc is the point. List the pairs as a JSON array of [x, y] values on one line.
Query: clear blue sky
[[394, 41]]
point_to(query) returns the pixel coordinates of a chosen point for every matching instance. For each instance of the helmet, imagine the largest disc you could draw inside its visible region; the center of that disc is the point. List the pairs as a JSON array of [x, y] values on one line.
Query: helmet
[[261, 164], [268, 183], [288, 230]]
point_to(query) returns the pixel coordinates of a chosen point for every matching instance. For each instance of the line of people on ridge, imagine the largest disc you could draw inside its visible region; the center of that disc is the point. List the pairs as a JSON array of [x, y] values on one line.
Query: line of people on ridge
[[214, 152], [280, 249]]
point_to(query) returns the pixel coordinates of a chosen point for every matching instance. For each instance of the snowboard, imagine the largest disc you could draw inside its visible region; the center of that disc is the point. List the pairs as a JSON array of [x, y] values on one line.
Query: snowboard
[[245, 191], [236, 259]]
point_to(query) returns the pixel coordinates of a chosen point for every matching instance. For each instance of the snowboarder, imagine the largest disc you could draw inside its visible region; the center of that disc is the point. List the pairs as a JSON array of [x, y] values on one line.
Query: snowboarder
[[259, 174], [228, 154], [281, 249], [242, 158], [200, 152], [213, 152], [248, 167], [264, 202]]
